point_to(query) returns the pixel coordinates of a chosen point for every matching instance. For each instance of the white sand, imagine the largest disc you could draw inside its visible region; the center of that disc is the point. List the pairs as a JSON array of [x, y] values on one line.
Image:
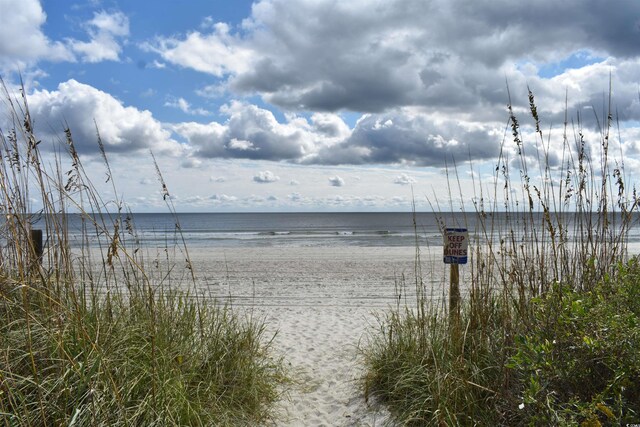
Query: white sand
[[320, 301]]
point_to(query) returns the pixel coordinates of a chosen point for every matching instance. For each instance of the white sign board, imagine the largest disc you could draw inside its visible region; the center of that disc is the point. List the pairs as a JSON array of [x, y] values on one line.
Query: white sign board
[[456, 243]]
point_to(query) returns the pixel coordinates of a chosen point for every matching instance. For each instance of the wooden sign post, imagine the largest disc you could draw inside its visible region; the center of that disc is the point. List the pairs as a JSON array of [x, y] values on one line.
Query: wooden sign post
[[36, 243], [456, 243]]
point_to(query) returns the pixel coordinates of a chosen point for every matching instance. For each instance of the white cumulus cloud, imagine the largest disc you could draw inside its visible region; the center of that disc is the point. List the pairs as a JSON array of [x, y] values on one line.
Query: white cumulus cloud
[[266, 177], [123, 129], [217, 53], [22, 40], [105, 31], [404, 179]]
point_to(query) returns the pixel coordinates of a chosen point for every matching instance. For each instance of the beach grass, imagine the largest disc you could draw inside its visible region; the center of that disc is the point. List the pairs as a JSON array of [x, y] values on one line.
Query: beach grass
[[548, 331], [94, 332]]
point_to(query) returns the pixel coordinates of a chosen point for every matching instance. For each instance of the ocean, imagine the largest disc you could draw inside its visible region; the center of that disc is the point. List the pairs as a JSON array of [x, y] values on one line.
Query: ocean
[[357, 229], [361, 229], [212, 230]]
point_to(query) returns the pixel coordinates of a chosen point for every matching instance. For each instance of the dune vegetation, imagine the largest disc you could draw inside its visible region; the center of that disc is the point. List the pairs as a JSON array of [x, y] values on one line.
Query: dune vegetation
[[93, 331], [549, 330]]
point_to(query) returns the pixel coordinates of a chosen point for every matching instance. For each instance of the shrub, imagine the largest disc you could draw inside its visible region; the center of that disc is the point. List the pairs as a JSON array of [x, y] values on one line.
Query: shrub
[[579, 359]]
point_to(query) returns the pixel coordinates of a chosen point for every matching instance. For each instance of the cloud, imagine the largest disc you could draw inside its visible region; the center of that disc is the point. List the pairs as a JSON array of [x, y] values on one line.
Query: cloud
[[241, 145], [251, 133], [295, 197], [105, 31], [402, 137], [266, 177], [123, 129], [398, 137], [216, 53], [223, 198], [294, 182], [22, 40], [208, 22], [329, 126], [213, 91], [404, 179], [405, 136], [400, 52], [336, 181], [184, 106], [158, 65], [191, 163], [429, 75], [345, 201]]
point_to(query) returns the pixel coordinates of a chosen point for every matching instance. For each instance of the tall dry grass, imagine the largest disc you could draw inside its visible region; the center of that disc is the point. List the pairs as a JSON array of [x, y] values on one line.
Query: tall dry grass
[[96, 332], [538, 325]]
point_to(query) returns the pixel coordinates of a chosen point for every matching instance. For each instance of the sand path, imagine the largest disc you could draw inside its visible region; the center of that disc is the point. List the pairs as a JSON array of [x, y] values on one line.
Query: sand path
[[321, 302]]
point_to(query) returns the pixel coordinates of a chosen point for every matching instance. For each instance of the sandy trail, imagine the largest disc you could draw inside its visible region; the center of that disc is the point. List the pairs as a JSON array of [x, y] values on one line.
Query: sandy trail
[[321, 301]]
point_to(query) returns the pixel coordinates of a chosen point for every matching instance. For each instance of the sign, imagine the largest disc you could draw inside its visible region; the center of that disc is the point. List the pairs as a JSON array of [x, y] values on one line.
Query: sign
[[456, 242]]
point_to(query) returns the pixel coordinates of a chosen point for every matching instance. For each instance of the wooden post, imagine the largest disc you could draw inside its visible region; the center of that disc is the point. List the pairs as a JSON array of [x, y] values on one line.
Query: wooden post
[[38, 247], [454, 294]]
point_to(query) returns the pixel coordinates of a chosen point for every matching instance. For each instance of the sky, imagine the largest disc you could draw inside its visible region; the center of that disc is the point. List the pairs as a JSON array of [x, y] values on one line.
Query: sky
[[317, 105]]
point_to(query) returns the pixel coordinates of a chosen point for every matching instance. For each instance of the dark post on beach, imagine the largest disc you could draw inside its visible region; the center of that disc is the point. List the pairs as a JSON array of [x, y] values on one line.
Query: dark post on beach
[[456, 242], [454, 292], [37, 245]]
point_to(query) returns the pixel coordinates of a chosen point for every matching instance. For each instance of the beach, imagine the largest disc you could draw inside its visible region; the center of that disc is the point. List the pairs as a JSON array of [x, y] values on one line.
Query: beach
[[320, 302]]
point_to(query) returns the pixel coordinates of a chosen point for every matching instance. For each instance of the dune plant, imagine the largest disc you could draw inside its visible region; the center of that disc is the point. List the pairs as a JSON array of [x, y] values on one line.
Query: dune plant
[[95, 332], [550, 236]]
